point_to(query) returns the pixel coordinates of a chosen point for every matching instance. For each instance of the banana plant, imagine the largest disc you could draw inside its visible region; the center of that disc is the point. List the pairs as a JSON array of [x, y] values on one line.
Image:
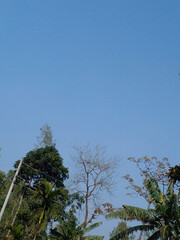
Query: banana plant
[[163, 219]]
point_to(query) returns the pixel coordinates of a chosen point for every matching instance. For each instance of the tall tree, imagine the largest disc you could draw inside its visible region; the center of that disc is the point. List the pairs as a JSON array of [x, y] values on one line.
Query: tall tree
[[43, 163], [94, 173], [39, 194]]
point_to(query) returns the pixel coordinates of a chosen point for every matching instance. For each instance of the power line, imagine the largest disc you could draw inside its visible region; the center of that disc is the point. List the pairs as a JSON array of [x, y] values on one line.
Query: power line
[[38, 187], [30, 188], [45, 174], [24, 185]]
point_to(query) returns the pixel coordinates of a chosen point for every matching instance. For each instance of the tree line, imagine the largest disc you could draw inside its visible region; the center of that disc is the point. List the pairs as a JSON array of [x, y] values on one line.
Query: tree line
[[43, 207]]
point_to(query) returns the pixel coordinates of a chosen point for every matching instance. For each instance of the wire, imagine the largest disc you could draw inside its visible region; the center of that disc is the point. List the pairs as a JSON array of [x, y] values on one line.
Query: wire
[[42, 172], [30, 188]]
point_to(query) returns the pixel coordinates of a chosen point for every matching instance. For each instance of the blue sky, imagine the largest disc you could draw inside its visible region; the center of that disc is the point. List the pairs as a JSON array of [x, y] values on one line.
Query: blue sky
[[97, 71]]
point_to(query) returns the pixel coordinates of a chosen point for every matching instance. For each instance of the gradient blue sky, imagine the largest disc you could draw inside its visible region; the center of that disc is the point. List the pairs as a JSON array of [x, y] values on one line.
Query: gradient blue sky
[[100, 70]]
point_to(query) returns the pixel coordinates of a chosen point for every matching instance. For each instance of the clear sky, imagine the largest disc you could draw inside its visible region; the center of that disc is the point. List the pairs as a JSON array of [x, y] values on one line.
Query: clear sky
[[97, 71]]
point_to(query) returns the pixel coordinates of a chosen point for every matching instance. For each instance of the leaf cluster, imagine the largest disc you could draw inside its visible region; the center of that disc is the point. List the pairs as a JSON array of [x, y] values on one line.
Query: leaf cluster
[[164, 218]]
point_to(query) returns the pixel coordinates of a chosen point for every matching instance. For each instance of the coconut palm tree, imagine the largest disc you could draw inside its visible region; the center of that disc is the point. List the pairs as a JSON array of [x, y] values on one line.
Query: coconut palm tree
[[68, 230], [48, 206], [163, 219]]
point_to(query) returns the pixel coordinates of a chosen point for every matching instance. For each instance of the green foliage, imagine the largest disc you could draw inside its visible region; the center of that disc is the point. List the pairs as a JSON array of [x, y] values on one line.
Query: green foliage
[[49, 205], [41, 195], [154, 190], [17, 233], [3, 185], [43, 163], [164, 218], [68, 229], [5, 224], [133, 213], [174, 173], [127, 232], [122, 226], [5, 181]]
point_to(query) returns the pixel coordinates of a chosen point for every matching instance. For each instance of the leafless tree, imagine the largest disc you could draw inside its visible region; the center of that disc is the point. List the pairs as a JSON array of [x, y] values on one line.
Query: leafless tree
[[94, 173]]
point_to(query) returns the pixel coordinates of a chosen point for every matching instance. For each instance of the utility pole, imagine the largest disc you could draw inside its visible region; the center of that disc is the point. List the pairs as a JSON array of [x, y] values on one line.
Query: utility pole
[[10, 190]]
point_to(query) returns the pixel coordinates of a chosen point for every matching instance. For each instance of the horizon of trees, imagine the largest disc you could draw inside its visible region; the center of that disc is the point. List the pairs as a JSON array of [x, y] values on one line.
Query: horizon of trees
[[42, 207]]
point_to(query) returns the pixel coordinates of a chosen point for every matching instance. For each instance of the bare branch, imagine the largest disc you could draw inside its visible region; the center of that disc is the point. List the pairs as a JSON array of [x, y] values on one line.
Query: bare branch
[[95, 172]]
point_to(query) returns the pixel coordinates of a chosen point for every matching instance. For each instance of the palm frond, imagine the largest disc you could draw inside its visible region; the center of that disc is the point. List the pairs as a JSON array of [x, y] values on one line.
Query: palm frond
[[121, 214], [140, 214], [153, 190], [165, 231], [94, 237], [56, 233], [154, 236], [170, 189], [133, 213], [128, 231], [92, 226]]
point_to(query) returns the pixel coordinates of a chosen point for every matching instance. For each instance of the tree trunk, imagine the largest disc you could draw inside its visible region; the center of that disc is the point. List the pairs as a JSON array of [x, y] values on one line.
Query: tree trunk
[[86, 214], [87, 198]]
